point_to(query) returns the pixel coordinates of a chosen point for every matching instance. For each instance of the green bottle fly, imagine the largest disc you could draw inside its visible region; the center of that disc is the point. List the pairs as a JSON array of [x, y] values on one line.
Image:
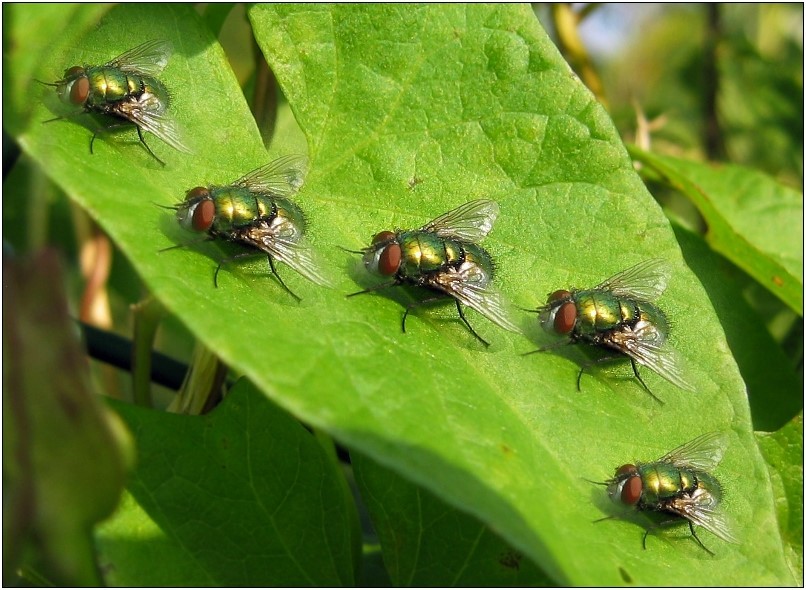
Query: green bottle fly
[[126, 88], [256, 211], [443, 256], [679, 484], [619, 314]]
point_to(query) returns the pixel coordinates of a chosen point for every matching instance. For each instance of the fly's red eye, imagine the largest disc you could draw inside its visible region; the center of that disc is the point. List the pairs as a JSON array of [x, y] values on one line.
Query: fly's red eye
[[384, 236], [389, 261], [197, 194], [203, 215], [631, 491], [80, 90], [559, 295], [75, 70], [566, 318], [628, 469]]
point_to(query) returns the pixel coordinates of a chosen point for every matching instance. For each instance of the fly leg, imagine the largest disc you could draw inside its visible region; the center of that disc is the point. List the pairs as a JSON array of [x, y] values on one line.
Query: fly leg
[[419, 304], [439, 299], [469, 327], [274, 271], [641, 381], [607, 359], [145, 145], [227, 261], [394, 283], [548, 347], [696, 538], [112, 126], [677, 521], [248, 255]]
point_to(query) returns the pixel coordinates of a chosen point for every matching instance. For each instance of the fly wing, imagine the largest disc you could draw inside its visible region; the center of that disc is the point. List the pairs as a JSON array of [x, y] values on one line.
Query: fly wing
[[150, 58], [470, 287], [704, 452], [646, 280], [281, 177], [289, 250], [149, 113], [647, 347], [702, 510], [471, 221]]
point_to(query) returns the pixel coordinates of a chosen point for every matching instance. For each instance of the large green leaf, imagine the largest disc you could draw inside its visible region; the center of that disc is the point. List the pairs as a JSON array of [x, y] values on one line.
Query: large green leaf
[[408, 112], [783, 451], [428, 543], [754, 221], [246, 493]]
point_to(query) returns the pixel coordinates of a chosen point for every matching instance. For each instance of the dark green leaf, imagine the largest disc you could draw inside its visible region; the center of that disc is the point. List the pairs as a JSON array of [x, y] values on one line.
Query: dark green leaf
[[752, 220], [428, 543], [774, 391], [246, 492]]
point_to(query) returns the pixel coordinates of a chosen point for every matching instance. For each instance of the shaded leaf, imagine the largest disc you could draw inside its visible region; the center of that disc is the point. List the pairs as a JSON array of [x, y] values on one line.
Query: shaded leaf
[[134, 551], [246, 493], [774, 390], [428, 543]]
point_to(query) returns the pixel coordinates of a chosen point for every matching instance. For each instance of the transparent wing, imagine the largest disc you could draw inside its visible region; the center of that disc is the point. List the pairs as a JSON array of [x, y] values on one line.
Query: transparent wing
[[150, 113], [295, 254], [150, 58], [646, 280], [702, 510], [470, 288], [281, 177], [704, 452], [647, 347], [471, 221]]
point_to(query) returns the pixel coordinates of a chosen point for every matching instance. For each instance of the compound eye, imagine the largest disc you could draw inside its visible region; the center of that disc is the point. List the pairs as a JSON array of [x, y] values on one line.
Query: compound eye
[[197, 194], [559, 295], [384, 236], [203, 215], [389, 261], [80, 90], [631, 491], [74, 71], [566, 318]]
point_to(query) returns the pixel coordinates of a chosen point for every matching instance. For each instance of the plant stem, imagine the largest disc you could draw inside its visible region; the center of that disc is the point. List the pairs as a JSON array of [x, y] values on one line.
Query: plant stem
[[566, 23], [147, 316]]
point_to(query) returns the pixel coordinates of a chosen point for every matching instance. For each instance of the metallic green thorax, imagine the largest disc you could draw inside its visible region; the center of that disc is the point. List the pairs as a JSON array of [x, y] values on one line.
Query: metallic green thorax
[[424, 252], [109, 85], [600, 311], [663, 483], [238, 208]]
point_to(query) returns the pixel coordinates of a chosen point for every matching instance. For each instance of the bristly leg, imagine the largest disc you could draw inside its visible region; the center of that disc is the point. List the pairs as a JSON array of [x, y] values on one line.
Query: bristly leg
[[274, 270]]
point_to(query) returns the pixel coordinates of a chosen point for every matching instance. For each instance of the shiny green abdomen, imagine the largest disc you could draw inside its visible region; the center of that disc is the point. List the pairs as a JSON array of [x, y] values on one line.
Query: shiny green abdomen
[[600, 311], [664, 482], [238, 207], [425, 252], [109, 85]]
